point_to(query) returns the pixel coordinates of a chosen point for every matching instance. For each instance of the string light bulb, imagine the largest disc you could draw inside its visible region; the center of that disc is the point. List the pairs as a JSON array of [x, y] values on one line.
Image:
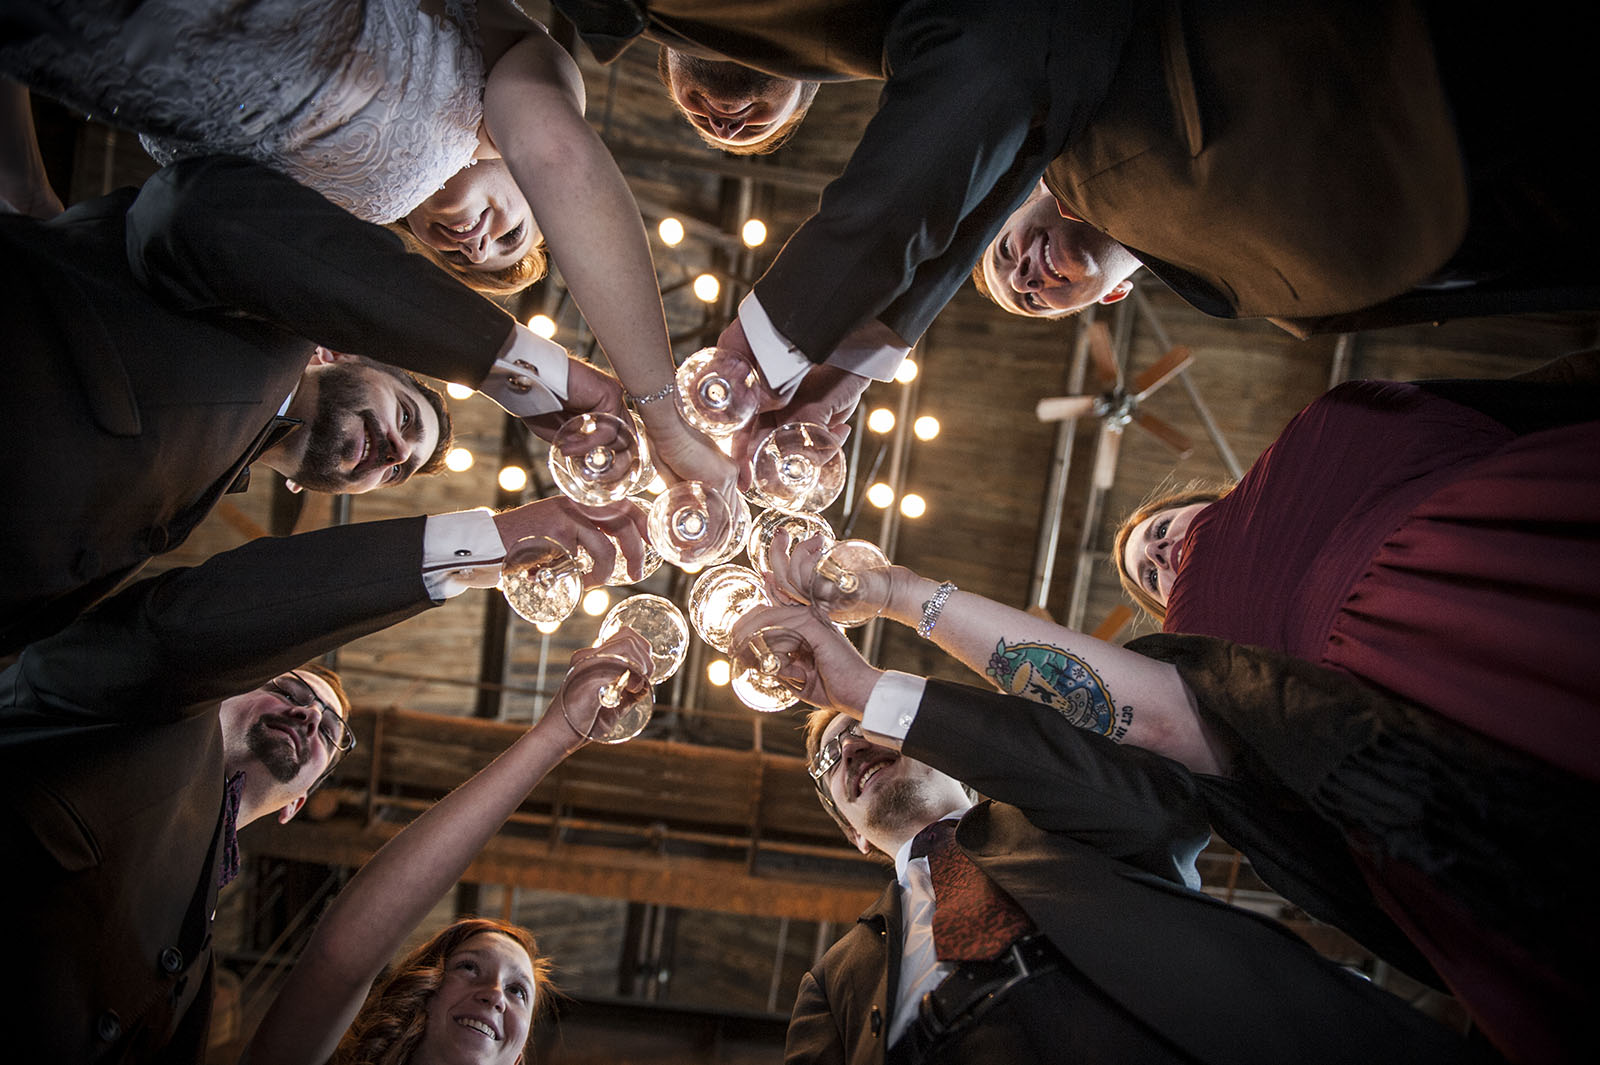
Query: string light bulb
[[671, 232], [906, 373], [881, 420], [880, 495], [543, 325], [719, 672], [926, 427], [754, 233], [513, 478], [547, 627], [458, 460], [913, 505], [455, 391], [596, 601]]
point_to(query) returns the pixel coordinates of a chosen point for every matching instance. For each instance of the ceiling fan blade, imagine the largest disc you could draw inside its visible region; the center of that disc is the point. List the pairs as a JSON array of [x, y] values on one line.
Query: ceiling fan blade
[[1165, 432], [1060, 408], [1113, 623], [1105, 456], [1172, 363], [1103, 358]]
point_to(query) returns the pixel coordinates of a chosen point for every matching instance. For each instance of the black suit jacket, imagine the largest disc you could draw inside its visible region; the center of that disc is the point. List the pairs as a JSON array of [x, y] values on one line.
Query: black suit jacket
[[152, 337], [1097, 842], [111, 780]]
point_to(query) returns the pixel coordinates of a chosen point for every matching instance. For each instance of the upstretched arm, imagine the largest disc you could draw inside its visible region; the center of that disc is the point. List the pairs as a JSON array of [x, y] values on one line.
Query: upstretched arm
[[24, 186], [1095, 685], [375, 913], [533, 111]]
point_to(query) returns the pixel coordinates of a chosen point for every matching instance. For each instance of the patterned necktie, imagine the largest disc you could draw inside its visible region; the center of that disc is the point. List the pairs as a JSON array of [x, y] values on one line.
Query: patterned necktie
[[973, 920]]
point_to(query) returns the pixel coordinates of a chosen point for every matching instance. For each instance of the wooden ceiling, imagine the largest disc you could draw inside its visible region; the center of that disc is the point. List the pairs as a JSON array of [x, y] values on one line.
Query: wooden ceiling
[[699, 848]]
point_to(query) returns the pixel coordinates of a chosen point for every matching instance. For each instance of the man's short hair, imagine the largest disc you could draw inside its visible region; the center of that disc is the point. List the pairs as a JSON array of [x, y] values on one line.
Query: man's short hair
[[441, 410], [776, 137]]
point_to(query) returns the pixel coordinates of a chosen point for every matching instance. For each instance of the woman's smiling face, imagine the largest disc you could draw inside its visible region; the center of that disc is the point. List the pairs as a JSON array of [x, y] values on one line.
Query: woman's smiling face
[[480, 220], [1154, 549]]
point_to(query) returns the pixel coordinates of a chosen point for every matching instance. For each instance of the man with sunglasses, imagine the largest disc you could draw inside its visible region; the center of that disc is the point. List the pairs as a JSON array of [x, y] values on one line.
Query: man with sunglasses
[[1088, 939], [136, 741]]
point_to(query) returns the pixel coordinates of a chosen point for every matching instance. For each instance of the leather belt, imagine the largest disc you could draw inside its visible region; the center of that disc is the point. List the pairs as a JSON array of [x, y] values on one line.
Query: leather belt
[[968, 992]]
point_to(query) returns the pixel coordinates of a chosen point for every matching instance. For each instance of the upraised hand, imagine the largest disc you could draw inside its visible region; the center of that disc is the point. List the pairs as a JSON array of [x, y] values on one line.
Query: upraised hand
[[599, 531], [822, 666], [579, 705], [792, 578], [590, 390]]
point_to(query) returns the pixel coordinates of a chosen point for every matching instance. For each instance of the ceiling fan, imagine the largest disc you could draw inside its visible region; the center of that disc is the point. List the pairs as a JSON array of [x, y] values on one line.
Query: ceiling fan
[[1118, 403]]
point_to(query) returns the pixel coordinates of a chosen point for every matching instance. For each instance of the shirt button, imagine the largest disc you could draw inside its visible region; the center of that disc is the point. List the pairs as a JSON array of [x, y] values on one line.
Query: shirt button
[[109, 1026], [171, 960]]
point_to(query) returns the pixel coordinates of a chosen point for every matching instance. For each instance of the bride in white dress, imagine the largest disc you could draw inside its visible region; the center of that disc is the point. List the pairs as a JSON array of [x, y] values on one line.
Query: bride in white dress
[[463, 119]]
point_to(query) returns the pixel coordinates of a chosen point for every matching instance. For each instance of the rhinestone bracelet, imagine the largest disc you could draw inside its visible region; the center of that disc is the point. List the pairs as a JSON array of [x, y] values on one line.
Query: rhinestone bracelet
[[931, 609], [660, 393]]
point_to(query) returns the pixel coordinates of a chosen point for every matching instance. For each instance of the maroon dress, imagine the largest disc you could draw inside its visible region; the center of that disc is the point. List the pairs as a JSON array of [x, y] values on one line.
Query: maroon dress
[[1428, 551]]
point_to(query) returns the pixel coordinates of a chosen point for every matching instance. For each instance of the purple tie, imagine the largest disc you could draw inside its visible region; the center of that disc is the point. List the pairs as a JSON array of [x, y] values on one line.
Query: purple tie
[[973, 920]]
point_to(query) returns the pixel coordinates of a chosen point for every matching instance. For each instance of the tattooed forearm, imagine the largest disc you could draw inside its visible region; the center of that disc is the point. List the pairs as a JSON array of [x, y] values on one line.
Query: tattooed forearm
[[1050, 675]]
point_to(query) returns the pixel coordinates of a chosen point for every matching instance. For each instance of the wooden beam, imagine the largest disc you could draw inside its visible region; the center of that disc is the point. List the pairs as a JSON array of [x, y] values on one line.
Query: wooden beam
[[599, 872]]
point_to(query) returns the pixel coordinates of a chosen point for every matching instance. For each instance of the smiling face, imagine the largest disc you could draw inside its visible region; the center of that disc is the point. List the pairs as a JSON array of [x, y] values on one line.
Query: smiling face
[[479, 221], [731, 105], [282, 748], [365, 428], [483, 1009], [1154, 550], [885, 797], [1045, 265]]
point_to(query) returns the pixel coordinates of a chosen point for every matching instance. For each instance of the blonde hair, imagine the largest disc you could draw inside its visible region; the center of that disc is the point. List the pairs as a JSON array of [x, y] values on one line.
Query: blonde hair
[[1161, 498], [506, 281], [391, 1023]]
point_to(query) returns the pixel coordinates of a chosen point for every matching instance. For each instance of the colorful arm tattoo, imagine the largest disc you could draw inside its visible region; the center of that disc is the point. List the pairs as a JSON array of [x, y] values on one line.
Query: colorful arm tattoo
[[1050, 675]]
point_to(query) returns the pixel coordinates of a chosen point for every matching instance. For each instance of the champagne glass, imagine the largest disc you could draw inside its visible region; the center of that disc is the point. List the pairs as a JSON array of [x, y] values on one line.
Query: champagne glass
[[542, 580], [661, 624], [798, 466], [600, 458], [720, 597], [652, 557], [632, 721], [800, 527], [737, 538], [838, 584], [757, 669], [718, 391], [690, 524]]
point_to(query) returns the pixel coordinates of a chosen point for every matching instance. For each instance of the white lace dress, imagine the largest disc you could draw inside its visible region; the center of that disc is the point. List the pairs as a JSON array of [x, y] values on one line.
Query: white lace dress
[[374, 104]]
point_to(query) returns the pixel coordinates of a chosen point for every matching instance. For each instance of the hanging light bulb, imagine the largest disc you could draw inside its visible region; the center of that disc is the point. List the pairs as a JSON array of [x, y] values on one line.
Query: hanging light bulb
[[513, 478], [596, 601], [707, 287], [907, 372], [880, 495], [719, 672], [543, 324], [458, 460], [547, 627], [881, 420], [926, 427], [754, 233], [671, 232], [455, 391], [913, 505]]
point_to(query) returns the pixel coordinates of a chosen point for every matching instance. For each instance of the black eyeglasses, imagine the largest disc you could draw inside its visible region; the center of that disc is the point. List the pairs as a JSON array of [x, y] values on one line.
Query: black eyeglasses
[[331, 724], [829, 753]]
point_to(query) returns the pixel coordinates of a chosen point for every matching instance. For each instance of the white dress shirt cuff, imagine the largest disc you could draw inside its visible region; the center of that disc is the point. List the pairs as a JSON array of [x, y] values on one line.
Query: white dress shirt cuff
[[530, 378], [460, 551], [871, 350], [892, 707]]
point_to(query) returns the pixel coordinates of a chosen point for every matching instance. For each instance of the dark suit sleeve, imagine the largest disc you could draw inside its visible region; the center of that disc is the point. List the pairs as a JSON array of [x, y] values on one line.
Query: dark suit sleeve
[[813, 1037], [225, 235], [179, 642], [1125, 802], [965, 127]]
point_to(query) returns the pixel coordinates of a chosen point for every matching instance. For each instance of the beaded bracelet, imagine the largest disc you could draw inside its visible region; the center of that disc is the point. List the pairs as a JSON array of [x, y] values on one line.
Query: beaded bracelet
[[931, 609], [660, 393]]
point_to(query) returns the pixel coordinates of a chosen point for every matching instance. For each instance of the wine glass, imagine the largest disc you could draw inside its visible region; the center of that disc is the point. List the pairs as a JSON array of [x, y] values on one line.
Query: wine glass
[[632, 721], [798, 466], [799, 525], [837, 585], [600, 458], [736, 539], [652, 557], [757, 669], [661, 624], [542, 580], [720, 597], [690, 524], [718, 391]]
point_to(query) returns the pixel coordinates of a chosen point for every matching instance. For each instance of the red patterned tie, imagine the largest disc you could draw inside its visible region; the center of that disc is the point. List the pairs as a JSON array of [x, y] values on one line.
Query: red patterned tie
[[973, 920]]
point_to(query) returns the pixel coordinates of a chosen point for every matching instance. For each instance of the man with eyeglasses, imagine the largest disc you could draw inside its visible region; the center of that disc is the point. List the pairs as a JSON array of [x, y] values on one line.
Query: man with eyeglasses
[[136, 741], [1059, 920]]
